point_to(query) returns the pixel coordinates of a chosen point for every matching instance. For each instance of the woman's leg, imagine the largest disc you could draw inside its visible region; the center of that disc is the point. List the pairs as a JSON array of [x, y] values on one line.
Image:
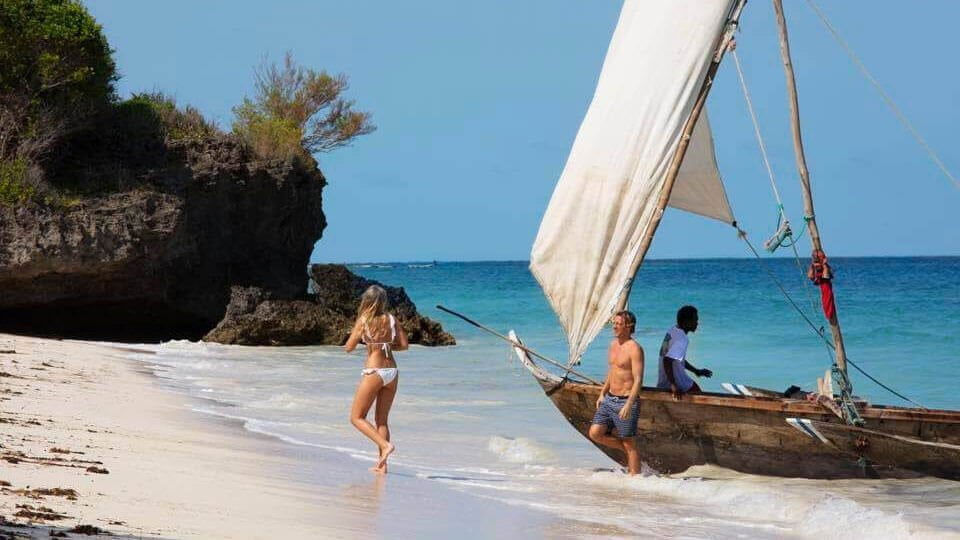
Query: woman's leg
[[384, 401], [366, 393]]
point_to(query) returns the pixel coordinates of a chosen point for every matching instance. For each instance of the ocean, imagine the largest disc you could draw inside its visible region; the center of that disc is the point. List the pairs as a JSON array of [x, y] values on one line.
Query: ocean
[[471, 422]]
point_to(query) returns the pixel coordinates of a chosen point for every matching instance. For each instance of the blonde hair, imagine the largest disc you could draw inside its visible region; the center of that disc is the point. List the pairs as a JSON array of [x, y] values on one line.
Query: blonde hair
[[373, 303]]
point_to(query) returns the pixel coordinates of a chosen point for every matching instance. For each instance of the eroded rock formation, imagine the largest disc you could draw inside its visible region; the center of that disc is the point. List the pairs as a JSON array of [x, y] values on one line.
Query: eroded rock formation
[[324, 316], [159, 261]]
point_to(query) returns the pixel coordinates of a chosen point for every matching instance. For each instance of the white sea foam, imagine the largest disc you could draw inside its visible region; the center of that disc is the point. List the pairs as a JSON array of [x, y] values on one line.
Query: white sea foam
[[518, 450], [284, 401], [813, 512], [740, 497], [417, 401], [480, 483], [838, 517], [480, 470]]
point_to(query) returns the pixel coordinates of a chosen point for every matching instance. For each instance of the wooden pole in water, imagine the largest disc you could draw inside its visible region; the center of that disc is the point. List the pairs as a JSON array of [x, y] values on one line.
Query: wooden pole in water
[[841, 354], [681, 151]]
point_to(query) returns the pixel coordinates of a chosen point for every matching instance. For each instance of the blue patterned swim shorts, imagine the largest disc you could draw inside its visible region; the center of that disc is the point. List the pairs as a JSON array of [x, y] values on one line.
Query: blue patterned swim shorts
[[608, 414]]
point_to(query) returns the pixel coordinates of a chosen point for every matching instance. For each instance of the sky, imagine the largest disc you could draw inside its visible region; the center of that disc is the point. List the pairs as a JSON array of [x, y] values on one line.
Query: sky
[[478, 103]]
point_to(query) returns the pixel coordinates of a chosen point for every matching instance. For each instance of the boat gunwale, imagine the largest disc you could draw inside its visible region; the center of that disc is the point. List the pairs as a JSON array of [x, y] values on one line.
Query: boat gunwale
[[784, 405]]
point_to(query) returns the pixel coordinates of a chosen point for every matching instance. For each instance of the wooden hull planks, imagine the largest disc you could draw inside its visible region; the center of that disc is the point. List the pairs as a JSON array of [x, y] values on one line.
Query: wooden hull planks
[[753, 435], [763, 434]]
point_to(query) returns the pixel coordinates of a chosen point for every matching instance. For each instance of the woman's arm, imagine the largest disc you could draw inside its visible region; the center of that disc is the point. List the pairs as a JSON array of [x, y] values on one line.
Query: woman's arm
[[400, 343], [354, 338]]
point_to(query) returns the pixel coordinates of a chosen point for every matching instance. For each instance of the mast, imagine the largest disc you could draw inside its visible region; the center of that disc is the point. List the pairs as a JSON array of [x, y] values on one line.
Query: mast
[[681, 151], [809, 216]]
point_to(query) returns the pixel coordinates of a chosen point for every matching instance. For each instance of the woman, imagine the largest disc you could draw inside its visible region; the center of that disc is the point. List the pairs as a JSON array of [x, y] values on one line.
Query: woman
[[379, 378]]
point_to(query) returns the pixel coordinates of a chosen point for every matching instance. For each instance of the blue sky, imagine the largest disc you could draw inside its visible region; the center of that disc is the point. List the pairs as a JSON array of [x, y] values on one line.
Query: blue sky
[[477, 104]]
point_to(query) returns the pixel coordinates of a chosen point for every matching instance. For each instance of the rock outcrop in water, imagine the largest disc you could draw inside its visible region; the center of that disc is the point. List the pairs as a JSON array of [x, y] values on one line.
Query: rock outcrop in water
[[324, 316], [159, 261]]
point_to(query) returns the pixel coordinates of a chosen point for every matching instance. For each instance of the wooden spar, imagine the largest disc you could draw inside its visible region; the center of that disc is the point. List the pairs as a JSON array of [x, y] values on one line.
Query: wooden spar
[[841, 354], [518, 345], [681, 151]]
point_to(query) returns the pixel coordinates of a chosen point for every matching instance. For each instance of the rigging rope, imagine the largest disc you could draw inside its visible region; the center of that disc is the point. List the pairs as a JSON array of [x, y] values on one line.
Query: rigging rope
[[781, 213], [886, 97], [817, 330], [756, 130]]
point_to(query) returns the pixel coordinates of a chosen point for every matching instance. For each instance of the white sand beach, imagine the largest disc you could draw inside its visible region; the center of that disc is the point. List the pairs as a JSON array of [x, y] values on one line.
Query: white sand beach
[[126, 456], [89, 438]]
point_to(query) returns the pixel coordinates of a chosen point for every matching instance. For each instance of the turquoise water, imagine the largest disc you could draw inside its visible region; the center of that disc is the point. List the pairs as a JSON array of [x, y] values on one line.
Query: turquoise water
[[469, 419], [900, 318]]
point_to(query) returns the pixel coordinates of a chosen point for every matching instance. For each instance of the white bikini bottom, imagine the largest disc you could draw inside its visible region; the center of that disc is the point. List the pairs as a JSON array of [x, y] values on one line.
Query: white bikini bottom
[[387, 375]]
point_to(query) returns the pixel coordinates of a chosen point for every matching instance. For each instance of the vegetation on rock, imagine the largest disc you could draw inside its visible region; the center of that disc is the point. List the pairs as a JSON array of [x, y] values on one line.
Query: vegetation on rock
[[298, 111], [56, 71]]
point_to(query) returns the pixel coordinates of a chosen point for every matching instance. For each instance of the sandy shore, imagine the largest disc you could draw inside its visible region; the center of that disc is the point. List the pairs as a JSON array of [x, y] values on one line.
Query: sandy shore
[[89, 440]]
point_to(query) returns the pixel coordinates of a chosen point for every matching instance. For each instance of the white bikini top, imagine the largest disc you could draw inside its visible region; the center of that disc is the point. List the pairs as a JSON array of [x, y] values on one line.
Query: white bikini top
[[385, 345]]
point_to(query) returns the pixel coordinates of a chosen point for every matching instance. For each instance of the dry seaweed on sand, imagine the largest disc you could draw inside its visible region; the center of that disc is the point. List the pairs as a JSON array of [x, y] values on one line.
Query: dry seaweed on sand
[[41, 513], [89, 530]]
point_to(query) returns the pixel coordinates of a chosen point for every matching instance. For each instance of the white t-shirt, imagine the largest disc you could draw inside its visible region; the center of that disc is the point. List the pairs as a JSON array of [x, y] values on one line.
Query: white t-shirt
[[674, 346]]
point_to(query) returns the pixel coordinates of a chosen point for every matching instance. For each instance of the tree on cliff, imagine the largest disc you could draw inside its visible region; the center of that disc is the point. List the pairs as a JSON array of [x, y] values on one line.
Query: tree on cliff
[[55, 53], [56, 70], [297, 110]]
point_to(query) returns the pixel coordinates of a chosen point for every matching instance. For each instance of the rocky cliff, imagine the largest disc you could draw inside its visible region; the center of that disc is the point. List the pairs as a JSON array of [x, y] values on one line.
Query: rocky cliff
[[159, 261], [324, 316]]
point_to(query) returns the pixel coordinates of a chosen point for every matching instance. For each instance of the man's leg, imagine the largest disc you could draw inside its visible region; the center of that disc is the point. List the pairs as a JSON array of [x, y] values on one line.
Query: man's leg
[[633, 455], [695, 389], [598, 434]]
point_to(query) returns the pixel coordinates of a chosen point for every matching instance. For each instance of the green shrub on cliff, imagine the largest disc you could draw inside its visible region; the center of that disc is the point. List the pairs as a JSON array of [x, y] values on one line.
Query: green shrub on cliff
[[56, 72], [14, 187], [54, 54], [125, 143], [155, 109], [298, 111]]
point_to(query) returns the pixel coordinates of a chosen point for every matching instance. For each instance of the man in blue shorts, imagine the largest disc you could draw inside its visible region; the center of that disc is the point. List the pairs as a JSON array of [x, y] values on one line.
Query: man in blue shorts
[[618, 407]]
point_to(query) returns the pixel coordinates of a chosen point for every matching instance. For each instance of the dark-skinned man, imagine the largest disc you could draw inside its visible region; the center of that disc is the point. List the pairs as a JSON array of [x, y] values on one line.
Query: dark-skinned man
[[673, 364]]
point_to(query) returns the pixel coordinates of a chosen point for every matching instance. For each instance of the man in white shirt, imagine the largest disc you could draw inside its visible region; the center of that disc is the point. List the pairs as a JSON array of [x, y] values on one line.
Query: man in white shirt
[[673, 364]]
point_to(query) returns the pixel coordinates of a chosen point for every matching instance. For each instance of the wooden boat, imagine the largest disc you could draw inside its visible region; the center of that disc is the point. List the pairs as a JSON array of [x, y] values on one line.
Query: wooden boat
[[771, 435], [644, 145]]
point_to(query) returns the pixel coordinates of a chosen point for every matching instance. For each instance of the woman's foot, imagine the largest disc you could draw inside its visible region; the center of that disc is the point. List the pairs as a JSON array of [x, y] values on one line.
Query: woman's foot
[[379, 470], [384, 454]]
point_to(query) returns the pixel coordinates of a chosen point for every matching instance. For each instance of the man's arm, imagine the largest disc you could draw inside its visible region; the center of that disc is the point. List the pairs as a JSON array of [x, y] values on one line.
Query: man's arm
[[698, 372], [636, 369], [606, 381], [668, 369], [603, 389]]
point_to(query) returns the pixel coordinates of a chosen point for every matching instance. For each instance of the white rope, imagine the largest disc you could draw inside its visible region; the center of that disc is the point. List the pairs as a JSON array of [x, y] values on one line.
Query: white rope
[[756, 130], [886, 98]]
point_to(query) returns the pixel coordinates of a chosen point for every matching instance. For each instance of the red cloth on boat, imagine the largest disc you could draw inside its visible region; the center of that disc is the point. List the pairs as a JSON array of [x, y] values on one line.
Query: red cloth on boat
[[826, 298], [821, 275]]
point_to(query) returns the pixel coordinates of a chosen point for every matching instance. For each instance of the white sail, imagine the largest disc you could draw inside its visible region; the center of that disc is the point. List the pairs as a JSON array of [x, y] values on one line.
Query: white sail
[[606, 197], [698, 188]]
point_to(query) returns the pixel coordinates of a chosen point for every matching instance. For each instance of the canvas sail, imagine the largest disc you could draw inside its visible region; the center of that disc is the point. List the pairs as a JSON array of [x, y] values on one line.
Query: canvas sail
[[698, 188], [606, 196]]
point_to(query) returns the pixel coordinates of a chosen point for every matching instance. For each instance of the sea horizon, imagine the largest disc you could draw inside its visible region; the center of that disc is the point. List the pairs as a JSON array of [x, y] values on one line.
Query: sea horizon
[[649, 259]]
